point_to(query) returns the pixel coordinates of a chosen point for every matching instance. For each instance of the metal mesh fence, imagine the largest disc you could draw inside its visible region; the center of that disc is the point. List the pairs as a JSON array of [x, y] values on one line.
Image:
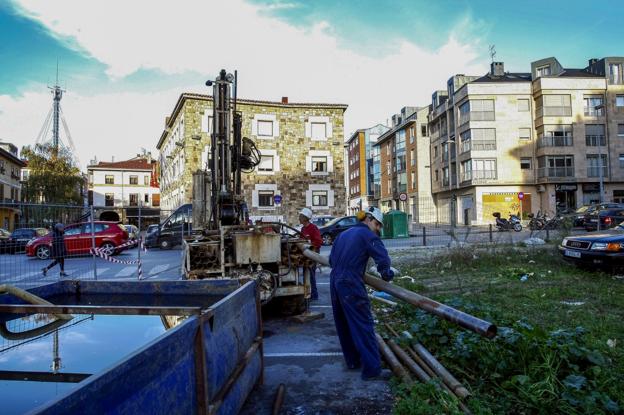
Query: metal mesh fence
[[28, 256]]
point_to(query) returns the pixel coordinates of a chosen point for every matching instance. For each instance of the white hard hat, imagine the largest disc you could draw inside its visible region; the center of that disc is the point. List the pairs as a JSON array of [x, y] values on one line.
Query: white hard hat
[[306, 212], [375, 213]]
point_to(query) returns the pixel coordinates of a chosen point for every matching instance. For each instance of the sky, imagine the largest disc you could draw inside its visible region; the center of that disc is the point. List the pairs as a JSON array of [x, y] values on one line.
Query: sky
[[123, 64]]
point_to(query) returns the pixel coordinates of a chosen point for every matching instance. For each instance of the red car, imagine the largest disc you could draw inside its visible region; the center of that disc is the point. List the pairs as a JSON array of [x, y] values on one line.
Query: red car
[[108, 236]]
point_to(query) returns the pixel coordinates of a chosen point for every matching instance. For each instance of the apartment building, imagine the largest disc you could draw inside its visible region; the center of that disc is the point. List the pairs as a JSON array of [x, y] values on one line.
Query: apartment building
[[10, 186], [548, 135], [359, 162], [118, 188], [302, 155], [402, 180]]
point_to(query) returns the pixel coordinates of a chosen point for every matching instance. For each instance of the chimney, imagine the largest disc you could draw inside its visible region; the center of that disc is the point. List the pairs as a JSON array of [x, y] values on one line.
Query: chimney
[[166, 121], [497, 69], [592, 61], [284, 100]]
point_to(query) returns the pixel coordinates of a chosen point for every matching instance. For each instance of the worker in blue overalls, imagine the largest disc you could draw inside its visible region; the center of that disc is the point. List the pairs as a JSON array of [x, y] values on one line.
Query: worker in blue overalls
[[352, 312]]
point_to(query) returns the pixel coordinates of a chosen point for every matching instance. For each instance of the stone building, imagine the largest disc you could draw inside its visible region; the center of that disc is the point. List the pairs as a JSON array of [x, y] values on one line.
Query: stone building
[[547, 134], [302, 155], [360, 167], [10, 186], [403, 179]]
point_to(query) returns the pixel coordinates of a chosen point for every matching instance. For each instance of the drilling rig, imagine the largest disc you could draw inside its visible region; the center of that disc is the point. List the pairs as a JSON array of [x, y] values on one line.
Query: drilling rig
[[224, 243]]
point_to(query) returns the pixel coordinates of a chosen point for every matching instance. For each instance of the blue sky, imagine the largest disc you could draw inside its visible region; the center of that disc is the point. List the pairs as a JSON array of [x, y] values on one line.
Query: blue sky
[[128, 61]]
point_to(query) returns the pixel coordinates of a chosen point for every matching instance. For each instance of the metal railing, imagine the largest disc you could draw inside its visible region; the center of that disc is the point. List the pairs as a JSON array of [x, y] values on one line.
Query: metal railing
[[555, 171], [476, 175], [553, 112], [595, 140], [555, 141], [476, 116], [593, 112]]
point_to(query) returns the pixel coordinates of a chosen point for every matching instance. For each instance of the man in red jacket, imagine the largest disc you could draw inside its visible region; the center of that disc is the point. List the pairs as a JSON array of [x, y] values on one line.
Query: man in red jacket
[[311, 232]]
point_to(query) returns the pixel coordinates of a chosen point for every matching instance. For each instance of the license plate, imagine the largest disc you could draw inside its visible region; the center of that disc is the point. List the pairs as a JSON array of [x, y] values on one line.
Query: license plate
[[573, 254]]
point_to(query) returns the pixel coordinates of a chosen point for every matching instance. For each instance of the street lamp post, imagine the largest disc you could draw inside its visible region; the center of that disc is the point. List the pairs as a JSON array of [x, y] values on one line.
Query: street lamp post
[[601, 167]]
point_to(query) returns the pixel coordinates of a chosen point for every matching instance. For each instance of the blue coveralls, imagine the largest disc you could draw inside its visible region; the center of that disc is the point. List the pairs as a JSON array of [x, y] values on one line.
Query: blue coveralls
[[352, 314]]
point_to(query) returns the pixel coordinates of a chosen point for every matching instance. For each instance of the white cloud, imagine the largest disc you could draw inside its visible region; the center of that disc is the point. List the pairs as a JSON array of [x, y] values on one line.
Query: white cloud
[[273, 58]]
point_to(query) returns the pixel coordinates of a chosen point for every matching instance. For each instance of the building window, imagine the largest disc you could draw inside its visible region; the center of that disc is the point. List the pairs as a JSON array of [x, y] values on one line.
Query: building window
[[413, 178], [590, 103], [109, 179], [265, 128], [524, 133], [412, 157], [266, 164], [90, 177], [554, 106], [156, 200], [387, 149], [134, 179], [319, 164], [594, 163], [319, 197], [265, 198], [109, 199], [555, 136], [555, 166], [146, 180], [146, 198], [523, 105], [319, 130], [423, 130], [437, 176], [615, 73], [435, 151], [134, 199], [543, 71], [595, 135], [619, 100], [622, 161], [525, 163], [620, 130]]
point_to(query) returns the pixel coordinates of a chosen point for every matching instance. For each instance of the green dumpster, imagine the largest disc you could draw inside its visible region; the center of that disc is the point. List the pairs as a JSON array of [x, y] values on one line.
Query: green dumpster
[[395, 225]]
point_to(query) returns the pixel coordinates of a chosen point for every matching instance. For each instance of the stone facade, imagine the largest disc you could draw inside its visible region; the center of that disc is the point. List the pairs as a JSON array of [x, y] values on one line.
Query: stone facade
[[302, 145], [10, 186]]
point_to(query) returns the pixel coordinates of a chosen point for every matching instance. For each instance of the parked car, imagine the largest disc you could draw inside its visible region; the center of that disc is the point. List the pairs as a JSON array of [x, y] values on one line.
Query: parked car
[[600, 206], [322, 220], [170, 231], [16, 242], [152, 228], [133, 232], [608, 219], [78, 240], [4, 236], [579, 215], [335, 227], [604, 248]]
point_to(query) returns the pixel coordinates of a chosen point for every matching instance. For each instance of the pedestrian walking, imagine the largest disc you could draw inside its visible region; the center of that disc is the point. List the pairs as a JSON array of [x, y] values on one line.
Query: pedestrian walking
[[57, 251], [311, 232], [352, 312]]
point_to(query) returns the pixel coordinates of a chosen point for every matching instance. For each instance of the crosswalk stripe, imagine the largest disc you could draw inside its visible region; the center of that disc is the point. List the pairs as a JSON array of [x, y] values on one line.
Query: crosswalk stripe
[[127, 271], [304, 354], [158, 268]]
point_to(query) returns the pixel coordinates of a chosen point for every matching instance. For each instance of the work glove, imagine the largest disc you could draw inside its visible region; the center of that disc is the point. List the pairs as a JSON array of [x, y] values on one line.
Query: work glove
[[395, 271], [373, 270]]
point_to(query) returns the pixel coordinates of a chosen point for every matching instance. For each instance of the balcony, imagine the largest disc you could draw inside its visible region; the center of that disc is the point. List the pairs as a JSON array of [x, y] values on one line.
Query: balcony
[[555, 172], [593, 111], [595, 140], [594, 171], [554, 112], [476, 116], [555, 141], [478, 145], [477, 176]]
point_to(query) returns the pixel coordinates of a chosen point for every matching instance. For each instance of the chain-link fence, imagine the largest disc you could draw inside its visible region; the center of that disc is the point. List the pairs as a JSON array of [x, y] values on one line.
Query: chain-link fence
[[94, 248]]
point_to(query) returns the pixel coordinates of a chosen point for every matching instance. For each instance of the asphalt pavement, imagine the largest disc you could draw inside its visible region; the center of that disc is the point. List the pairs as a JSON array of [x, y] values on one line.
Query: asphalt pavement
[[25, 271]]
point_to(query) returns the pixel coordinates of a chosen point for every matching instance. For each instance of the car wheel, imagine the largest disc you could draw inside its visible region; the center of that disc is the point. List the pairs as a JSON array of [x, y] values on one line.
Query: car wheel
[[165, 244], [43, 252], [327, 239], [517, 227], [108, 248]]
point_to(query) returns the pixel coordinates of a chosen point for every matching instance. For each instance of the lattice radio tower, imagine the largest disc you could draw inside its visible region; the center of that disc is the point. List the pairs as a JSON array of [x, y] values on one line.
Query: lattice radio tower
[[55, 117]]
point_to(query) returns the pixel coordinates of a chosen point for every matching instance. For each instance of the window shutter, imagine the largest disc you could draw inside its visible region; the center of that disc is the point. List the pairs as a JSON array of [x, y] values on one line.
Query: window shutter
[[276, 163], [254, 127], [254, 198], [330, 164], [308, 197], [276, 130], [308, 129], [330, 198], [308, 166], [329, 129]]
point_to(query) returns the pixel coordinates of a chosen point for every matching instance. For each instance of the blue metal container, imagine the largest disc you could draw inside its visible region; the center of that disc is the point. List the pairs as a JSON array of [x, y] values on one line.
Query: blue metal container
[[207, 364]]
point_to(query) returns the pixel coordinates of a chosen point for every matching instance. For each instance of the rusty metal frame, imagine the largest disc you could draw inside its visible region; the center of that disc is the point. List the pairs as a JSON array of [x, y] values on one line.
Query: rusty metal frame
[[90, 309]]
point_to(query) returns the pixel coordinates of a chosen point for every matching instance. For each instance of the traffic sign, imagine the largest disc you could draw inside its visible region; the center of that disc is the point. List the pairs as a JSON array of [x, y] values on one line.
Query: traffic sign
[[520, 195], [277, 199], [403, 197]]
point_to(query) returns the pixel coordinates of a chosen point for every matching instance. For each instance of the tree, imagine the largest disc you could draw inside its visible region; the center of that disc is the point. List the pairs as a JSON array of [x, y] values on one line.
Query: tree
[[53, 178]]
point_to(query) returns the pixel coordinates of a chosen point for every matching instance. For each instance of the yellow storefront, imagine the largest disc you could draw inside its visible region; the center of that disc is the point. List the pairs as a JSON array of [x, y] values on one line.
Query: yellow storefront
[[506, 203]]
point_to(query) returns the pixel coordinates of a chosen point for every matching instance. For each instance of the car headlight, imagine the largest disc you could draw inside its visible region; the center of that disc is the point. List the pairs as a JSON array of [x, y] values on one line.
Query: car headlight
[[29, 243], [564, 242], [603, 246]]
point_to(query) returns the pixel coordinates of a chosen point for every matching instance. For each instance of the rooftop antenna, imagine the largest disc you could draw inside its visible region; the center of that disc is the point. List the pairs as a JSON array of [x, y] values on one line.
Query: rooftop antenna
[[492, 52]]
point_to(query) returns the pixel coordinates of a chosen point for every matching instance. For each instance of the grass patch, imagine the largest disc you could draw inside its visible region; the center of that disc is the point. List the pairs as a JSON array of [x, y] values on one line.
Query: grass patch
[[559, 348]]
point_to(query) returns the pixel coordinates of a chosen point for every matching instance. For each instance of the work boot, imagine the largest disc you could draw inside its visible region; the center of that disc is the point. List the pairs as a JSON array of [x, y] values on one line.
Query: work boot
[[44, 271], [64, 274], [384, 375]]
